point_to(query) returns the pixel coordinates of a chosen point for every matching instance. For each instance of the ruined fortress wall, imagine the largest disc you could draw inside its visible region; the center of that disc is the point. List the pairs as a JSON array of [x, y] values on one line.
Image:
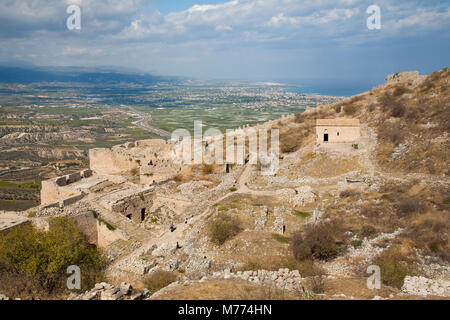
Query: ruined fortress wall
[[88, 225], [97, 233], [51, 192], [131, 207], [158, 171], [59, 189], [111, 161], [105, 236]]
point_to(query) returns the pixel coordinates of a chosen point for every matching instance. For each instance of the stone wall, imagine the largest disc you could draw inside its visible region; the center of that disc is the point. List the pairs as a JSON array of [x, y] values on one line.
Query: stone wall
[[58, 189], [88, 225], [108, 161], [130, 156], [130, 202], [97, 232]]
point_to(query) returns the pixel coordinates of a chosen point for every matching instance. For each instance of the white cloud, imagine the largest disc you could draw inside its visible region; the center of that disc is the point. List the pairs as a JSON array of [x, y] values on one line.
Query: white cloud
[[69, 51]]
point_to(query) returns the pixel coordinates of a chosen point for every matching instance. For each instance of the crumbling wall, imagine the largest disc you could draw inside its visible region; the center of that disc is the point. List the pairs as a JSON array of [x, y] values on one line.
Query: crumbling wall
[[132, 206], [109, 161], [130, 156], [87, 223], [96, 232], [58, 189], [52, 193], [105, 236]]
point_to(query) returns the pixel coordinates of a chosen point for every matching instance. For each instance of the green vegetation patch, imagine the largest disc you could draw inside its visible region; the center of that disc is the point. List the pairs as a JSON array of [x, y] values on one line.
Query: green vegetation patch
[[280, 238], [7, 184], [301, 214], [106, 223], [35, 262]]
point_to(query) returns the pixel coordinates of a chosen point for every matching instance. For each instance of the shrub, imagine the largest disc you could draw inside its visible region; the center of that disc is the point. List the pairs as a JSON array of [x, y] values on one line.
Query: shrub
[[313, 272], [299, 117], [41, 258], [288, 147], [368, 231], [317, 284], [158, 280], [338, 108], [429, 231], [348, 193], [356, 243], [409, 205], [207, 169], [223, 228], [394, 267], [319, 241], [349, 109], [309, 268], [399, 91], [391, 133], [427, 85], [178, 178], [397, 110]]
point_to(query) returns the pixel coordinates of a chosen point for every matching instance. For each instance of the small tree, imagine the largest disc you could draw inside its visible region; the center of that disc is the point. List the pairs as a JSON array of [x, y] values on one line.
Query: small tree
[[318, 241]]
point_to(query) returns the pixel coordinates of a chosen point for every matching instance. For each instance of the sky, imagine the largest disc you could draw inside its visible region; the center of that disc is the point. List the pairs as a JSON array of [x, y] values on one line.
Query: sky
[[310, 42]]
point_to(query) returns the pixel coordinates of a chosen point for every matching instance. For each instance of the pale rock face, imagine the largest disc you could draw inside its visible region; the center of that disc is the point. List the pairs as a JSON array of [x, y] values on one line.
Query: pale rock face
[[402, 77], [164, 250], [3, 297], [172, 264], [421, 286]]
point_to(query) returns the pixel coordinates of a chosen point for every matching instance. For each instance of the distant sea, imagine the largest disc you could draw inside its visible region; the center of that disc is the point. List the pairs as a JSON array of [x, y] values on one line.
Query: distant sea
[[326, 92], [327, 87]]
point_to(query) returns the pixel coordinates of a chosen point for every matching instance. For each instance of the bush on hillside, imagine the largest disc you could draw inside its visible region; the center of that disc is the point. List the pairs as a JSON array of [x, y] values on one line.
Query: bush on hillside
[[223, 228], [397, 110], [408, 205], [158, 280], [394, 267], [349, 109], [38, 260], [318, 241]]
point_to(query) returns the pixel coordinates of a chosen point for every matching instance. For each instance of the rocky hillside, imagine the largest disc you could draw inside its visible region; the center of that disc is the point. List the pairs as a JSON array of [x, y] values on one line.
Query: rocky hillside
[[410, 115], [312, 230]]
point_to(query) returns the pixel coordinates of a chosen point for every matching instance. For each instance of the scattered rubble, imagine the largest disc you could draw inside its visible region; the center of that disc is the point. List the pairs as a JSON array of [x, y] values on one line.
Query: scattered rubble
[[421, 286], [106, 291]]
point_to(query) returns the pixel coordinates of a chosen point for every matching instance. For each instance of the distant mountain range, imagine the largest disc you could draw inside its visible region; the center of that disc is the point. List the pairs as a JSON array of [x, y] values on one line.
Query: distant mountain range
[[30, 74]]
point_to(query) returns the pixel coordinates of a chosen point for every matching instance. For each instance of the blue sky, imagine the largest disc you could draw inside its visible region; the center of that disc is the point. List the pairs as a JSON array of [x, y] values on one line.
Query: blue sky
[[310, 42], [168, 6]]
